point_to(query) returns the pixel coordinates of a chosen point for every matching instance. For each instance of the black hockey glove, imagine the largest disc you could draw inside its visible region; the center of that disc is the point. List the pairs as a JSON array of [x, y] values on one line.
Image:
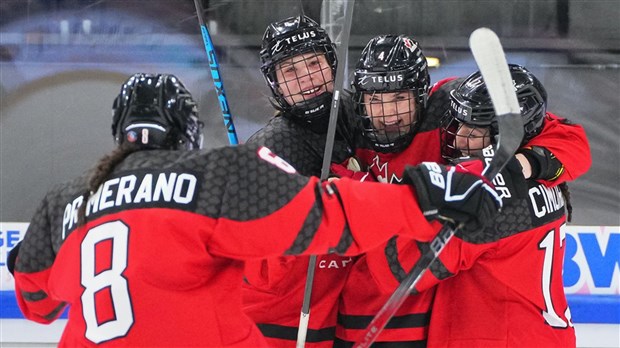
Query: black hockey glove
[[453, 194], [12, 258], [509, 183]]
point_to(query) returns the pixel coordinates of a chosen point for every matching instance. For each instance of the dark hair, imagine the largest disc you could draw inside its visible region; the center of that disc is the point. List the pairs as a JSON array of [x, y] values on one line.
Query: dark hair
[[101, 171], [566, 194]]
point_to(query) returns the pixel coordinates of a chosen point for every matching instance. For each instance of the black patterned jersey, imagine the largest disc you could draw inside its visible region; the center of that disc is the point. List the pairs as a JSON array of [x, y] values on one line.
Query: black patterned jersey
[[160, 259], [274, 289]]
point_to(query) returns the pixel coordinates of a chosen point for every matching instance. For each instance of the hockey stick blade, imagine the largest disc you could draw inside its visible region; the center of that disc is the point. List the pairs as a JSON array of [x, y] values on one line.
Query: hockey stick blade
[[489, 56], [216, 75], [304, 317]]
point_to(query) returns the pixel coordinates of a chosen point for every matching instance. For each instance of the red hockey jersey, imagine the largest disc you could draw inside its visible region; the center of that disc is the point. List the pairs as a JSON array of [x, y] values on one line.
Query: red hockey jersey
[[160, 260], [508, 293], [384, 268], [274, 288], [273, 295], [378, 272]]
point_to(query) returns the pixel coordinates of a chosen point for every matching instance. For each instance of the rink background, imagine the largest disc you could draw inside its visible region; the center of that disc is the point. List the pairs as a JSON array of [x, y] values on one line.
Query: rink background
[[62, 62]]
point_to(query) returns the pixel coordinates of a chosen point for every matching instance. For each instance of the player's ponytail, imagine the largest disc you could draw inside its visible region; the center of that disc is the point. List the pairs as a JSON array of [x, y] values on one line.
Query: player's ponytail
[[569, 207], [101, 171]]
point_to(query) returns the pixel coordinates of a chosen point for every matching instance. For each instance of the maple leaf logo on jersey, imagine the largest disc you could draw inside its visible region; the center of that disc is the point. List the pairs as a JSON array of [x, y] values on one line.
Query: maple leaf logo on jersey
[[381, 171]]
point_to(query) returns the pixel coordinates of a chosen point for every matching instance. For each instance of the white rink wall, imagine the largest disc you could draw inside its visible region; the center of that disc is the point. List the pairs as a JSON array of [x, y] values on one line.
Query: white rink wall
[[22, 333]]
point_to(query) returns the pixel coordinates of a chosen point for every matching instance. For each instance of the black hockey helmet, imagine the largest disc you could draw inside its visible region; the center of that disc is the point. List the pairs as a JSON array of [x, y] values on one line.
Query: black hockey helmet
[[470, 104], [286, 39], [156, 111], [391, 63]]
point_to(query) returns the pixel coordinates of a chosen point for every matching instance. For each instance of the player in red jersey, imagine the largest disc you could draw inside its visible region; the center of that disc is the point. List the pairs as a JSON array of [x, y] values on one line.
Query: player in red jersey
[[391, 85], [508, 293], [389, 71], [148, 249], [298, 63]]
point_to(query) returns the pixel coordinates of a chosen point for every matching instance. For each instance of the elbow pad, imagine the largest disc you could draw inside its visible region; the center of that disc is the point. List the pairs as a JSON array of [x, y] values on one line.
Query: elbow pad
[[545, 166]]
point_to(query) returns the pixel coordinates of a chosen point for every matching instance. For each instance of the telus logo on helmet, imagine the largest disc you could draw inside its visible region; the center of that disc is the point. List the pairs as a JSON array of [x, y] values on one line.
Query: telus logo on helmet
[[279, 45], [365, 79], [463, 111]]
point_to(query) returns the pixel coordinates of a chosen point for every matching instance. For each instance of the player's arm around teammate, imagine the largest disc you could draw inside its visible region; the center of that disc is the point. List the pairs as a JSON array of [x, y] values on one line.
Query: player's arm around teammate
[[148, 248]]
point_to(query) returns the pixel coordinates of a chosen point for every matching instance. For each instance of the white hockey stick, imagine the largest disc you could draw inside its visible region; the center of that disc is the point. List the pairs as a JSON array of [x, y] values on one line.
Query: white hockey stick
[[489, 55]]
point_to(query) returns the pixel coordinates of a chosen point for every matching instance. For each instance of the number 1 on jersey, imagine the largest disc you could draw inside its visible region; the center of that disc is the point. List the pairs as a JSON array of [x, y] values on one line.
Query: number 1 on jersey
[[548, 244]]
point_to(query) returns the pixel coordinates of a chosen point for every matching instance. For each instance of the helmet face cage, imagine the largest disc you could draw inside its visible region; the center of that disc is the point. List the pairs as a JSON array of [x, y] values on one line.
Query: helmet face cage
[[156, 111], [471, 107], [459, 138], [298, 63], [389, 119], [391, 86]]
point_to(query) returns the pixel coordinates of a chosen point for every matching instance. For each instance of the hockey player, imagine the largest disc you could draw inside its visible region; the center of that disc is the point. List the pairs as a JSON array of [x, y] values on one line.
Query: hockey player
[[298, 63], [391, 85], [508, 293], [148, 248], [393, 62]]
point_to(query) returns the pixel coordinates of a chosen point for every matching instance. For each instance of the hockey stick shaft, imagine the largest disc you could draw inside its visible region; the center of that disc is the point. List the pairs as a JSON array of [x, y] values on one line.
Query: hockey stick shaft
[[489, 56], [304, 317], [401, 293], [217, 76], [338, 87]]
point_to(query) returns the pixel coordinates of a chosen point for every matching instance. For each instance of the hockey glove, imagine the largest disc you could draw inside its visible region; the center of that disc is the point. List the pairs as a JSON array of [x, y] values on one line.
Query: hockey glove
[[350, 168], [449, 193], [509, 183], [12, 258]]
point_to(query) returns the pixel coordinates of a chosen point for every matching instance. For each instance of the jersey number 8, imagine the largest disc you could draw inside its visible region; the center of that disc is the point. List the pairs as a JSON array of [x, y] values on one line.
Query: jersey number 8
[[110, 282]]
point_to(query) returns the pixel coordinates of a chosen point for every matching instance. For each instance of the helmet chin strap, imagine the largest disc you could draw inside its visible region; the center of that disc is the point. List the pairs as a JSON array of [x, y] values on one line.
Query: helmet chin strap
[[314, 112]]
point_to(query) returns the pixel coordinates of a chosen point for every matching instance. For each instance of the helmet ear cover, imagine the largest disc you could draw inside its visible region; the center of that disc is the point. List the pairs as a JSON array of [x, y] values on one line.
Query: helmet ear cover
[[156, 111]]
